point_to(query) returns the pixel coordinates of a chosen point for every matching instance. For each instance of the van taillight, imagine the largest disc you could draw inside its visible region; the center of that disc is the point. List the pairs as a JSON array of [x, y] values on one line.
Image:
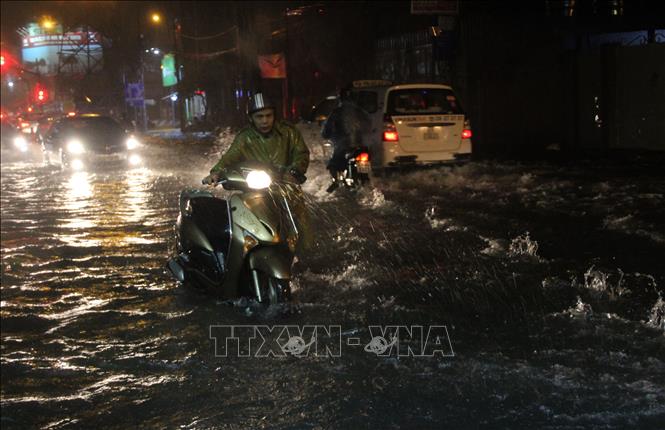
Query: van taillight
[[389, 130], [466, 132]]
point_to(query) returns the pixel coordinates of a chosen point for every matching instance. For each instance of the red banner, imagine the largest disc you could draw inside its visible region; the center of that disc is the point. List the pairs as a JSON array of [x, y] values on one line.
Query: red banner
[[273, 66]]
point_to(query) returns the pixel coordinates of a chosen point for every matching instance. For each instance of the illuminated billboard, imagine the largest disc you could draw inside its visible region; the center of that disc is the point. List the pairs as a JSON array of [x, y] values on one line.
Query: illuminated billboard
[[168, 71], [69, 53]]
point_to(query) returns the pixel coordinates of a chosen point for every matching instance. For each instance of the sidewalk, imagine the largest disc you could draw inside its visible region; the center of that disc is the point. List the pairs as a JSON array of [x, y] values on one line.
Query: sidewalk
[[176, 134]]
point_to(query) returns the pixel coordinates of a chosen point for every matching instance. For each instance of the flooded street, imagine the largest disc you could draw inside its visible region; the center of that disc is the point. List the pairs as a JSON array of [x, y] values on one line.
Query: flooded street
[[549, 278]]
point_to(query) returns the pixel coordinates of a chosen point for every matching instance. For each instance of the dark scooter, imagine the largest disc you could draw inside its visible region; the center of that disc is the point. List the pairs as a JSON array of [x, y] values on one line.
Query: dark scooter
[[240, 247], [356, 172]]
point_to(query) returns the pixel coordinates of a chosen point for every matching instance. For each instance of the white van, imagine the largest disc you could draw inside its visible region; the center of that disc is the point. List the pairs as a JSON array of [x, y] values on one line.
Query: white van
[[413, 124]]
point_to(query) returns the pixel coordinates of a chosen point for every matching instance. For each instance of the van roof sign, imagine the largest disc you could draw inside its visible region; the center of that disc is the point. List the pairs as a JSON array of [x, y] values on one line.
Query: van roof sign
[[371, 83]]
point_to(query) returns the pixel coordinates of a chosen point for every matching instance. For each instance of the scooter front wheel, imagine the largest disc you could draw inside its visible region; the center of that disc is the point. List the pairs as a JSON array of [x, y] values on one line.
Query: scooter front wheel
[[278, 291]]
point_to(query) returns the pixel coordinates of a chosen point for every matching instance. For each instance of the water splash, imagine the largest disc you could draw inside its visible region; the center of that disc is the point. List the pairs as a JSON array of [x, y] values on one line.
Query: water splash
[[523, 246], [581, 309], [598, 282], [495, 247], [373, 198], [657, 314], [446, 224], [632, 225]]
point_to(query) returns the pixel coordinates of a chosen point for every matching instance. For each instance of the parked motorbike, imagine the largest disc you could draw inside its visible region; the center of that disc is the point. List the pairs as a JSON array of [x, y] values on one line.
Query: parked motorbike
[[240, 247], [356, 172]]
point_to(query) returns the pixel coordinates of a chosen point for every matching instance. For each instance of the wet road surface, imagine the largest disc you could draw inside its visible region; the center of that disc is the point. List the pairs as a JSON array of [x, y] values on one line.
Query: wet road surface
[[548, 278]]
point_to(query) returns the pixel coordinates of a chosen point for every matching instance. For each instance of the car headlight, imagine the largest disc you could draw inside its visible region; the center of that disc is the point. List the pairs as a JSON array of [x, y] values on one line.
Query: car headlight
[[21, 143], [77, 165], [258, 179], [132, 143], [134, 160], [75, 146]]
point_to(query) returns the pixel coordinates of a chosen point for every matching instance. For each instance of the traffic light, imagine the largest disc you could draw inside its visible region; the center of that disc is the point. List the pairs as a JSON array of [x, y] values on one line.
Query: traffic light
[[41, 95], [6, 61]]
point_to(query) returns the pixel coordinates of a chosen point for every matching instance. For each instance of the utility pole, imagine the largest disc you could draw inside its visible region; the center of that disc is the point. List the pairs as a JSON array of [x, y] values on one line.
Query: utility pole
[[141, 108], [178, 51]]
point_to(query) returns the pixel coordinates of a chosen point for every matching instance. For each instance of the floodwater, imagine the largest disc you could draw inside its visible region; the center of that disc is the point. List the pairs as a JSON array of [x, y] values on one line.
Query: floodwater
[[548, 278]]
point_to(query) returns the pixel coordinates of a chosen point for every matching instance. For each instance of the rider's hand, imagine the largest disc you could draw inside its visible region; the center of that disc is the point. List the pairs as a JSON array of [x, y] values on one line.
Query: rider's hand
[[289, 178], [212, 178], [294, 177]]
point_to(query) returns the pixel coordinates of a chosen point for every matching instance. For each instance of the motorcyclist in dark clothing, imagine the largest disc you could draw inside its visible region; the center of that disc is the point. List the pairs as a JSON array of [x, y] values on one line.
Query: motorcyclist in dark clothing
[[345, 128]]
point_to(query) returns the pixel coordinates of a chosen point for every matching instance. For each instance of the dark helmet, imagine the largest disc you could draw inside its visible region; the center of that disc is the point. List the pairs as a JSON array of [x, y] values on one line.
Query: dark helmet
[[257, 102]]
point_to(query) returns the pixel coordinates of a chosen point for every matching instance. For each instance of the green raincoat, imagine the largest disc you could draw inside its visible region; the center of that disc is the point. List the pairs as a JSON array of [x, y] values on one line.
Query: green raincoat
[[283, 148]]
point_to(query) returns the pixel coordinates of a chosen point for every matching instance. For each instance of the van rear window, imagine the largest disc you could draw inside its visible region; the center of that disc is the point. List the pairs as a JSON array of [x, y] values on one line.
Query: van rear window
[[418, 101]]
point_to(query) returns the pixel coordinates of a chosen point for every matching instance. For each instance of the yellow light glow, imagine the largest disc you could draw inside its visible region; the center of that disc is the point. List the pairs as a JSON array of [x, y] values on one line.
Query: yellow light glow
[[156, 18], [48, 24]]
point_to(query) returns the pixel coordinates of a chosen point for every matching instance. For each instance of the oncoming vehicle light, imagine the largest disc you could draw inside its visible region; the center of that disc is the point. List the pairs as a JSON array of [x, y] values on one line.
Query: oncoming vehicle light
[[77, 164], [258, 179], [75, 147], [21, 143], [134, 160], [132, 143]]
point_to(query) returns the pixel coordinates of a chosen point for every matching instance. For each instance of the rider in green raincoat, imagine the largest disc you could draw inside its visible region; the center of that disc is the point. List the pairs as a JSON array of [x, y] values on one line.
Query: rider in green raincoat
[[274, 142]]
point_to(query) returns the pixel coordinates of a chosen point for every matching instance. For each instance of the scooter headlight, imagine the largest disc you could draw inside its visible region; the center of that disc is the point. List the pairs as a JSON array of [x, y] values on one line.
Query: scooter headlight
[[75, 146], [132, 143], [258, 179], [21, 143]]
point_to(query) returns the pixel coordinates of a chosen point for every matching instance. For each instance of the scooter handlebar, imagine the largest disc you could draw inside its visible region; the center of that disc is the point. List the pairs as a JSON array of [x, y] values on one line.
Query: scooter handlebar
[[236, 178]]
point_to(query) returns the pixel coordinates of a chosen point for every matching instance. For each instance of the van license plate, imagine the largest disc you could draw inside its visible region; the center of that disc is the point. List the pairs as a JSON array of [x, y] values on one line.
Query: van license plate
[[363, 167], [430, 135]]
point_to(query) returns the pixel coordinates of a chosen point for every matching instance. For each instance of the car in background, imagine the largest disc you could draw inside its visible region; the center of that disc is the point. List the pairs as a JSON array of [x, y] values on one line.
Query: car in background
[[12, 140], [413, 124], [17, 145], [83, 141]]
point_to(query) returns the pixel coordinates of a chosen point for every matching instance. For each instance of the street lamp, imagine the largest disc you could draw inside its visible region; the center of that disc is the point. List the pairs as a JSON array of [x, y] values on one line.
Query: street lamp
[[48, 23], [156, 18]]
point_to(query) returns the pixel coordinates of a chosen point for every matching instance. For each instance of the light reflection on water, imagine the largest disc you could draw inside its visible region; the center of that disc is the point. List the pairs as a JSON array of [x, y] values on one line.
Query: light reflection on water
[[77, 204], [98, 326], [98, 210], [136, 195]]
